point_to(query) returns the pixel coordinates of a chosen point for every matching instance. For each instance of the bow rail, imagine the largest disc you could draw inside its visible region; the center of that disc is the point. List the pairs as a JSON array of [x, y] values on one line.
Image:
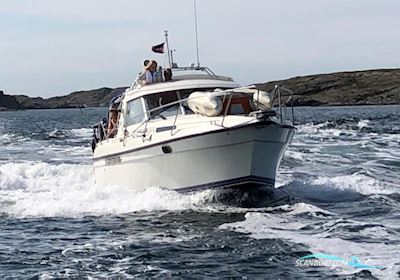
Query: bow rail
[[278, 107]]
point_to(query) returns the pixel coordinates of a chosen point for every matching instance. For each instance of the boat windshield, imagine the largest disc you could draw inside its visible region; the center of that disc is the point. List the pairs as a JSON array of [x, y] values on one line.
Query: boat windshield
[[159, 99]]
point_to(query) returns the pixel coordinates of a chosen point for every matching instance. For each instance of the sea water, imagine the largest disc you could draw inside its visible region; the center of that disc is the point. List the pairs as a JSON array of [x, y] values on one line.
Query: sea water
[[337, 193]]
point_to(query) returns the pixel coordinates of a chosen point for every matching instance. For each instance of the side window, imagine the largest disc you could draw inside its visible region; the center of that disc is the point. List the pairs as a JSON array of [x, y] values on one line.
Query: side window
[[156, 100], [134, 111]]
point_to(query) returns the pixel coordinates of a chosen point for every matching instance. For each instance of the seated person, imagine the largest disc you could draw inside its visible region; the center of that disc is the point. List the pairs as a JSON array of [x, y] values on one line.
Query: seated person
[[112, 123], [150, 74]]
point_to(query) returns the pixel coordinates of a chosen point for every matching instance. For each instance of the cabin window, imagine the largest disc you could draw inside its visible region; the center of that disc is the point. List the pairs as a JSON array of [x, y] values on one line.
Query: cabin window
[[135, 112], [238, 104], [156, 100], [159, 99]]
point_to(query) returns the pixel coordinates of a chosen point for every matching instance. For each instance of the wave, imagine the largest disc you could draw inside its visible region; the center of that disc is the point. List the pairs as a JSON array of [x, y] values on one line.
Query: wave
[[64, 134], [82, 132], [41, 190], [353, 126], [61, 146], [351, 187], [55, 134], [324, 235], [45, 134], [10, 138], [356, 182]]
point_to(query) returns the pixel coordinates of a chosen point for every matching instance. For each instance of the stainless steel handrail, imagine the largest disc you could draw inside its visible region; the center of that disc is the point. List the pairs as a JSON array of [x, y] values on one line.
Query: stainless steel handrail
[[226, 108], [281, 105], [219, 93], [276, 93], [204, 69]]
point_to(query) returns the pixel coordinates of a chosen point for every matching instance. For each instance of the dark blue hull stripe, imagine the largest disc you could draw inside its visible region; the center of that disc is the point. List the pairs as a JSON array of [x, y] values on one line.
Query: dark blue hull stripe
[[258, 180]]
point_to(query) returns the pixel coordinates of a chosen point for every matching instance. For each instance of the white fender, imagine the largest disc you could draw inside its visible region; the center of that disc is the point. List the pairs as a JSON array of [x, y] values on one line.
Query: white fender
[[205, 103], [263, 97]]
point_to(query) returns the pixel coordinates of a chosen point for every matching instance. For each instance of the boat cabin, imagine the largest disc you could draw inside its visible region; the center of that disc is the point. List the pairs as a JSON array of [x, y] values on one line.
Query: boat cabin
[[164, 99], [140, 102]]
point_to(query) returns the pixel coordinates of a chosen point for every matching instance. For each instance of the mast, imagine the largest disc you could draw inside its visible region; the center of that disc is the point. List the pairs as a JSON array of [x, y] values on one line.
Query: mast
[[169, 54], [197, 38]]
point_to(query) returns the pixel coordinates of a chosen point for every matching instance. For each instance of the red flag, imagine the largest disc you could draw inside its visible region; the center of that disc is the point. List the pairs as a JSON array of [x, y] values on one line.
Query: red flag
[[158, 48]]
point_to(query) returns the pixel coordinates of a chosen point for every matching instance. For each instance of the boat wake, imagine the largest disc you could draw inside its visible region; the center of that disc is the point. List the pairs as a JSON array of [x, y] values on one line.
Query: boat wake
[[322, 231], [43, 190]]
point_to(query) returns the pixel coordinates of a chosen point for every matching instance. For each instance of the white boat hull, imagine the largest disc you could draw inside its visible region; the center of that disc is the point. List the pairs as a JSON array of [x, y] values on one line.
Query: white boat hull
[[239, 156]]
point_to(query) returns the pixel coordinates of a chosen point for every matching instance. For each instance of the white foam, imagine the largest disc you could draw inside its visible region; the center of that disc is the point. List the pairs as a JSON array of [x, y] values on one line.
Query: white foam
[[82, 132], [363, 123], [41, 189], [10, 138], [301, 208], [333, 189], [376, 232], [282, 179], [323, 131], [292, 227], [294, 155], [359, 183]]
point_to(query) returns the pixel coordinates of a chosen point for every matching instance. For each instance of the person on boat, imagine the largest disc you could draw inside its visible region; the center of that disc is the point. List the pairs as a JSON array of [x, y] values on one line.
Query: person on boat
[[112, 122], [151, 73], [114, 109]]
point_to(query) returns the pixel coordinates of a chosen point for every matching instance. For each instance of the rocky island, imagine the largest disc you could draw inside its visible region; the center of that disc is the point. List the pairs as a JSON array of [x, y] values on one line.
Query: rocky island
[[370, 87], [87, 98]]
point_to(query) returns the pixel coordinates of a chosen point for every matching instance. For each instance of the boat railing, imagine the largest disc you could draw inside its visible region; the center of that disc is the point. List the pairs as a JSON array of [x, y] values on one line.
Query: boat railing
[[280, 92], [195, 68], [281, 99], [280, 111], [208, 71]]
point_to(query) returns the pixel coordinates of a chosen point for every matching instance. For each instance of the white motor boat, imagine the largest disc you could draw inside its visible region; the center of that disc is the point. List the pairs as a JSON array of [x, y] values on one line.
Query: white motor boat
[[196, 131]]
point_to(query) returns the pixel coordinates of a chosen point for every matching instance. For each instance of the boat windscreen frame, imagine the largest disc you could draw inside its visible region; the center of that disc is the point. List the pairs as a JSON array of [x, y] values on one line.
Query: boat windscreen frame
[[126, 111]]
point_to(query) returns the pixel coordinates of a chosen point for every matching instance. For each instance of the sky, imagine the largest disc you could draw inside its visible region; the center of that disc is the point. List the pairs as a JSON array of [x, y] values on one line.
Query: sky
[[54, 47]]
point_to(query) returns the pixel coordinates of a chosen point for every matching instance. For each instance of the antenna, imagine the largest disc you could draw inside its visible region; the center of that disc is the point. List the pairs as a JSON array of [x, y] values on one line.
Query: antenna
[[197, 38]]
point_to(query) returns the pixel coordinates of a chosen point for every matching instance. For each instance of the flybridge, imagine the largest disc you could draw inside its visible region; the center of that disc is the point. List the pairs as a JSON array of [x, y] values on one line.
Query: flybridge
[[182, 73]]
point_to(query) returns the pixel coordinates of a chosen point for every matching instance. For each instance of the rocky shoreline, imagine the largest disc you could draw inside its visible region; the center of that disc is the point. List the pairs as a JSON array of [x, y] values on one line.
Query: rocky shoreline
[[370, 87], [89, 98]]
